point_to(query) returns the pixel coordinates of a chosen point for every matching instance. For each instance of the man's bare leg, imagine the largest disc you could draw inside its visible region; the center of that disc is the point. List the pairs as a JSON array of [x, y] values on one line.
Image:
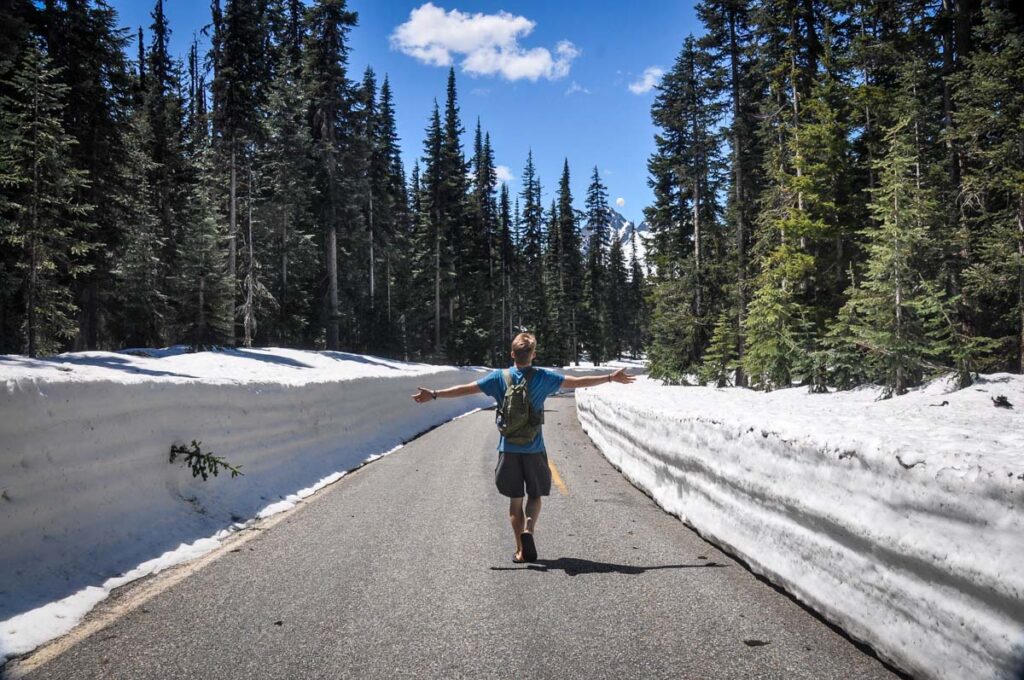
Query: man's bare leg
[[518, 519], [532, 512]]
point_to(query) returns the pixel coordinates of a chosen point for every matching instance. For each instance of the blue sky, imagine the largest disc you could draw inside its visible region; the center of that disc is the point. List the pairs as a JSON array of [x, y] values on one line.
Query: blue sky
[[560, 87]]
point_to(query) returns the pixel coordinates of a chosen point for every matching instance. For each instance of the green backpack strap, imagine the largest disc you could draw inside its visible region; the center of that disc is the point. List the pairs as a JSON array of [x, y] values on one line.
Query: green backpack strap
[[527, 374]]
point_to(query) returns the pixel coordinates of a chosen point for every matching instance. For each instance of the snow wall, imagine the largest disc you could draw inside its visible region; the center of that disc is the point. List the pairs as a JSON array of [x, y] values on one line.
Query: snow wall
[[922, 559], [88, 493]]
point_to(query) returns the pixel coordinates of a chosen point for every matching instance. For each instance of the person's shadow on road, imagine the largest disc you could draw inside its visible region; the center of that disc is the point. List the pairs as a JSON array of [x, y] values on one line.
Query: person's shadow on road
[[574, 566]]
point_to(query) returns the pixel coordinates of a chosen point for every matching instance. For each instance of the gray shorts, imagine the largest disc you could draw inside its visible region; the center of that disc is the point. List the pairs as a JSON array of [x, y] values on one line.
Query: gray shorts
[[516, 471]]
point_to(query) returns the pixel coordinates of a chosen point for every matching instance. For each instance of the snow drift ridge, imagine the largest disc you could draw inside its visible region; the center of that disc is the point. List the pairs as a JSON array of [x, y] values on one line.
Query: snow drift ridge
[[914, 549], [87, 489]]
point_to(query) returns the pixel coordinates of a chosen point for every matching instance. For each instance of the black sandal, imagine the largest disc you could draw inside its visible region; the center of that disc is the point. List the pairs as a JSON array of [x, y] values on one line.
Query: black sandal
[[529, 547]]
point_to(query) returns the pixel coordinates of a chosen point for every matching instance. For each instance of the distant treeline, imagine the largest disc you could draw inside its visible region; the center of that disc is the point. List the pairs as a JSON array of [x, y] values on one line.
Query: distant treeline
[[839, 194], [256, 195]]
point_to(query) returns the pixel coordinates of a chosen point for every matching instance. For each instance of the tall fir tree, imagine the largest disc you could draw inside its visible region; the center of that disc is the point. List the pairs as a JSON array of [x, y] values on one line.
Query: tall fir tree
[[241, 75], [686, 175], [483, 318], [569, 264], [141, 316], [434, 236], [899, 321], [328, 93], [534, 307], [617, 300], [730, 42], [595, 323], [989, 100], [639, 314], [289, 246], [85, 43], [41, 217]]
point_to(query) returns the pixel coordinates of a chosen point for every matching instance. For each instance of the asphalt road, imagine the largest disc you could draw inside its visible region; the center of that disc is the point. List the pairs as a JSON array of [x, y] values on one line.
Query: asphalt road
[[403, 570]]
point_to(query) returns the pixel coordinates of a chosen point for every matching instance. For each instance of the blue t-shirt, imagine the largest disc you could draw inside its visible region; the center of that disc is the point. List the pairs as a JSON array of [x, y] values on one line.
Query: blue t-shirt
[[543, 383]]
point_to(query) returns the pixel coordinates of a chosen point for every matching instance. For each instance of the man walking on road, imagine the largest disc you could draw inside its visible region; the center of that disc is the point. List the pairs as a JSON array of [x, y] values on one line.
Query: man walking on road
[[522, 458]]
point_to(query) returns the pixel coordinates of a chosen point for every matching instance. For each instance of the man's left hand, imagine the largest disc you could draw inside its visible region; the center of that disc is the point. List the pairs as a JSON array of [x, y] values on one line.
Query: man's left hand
[[620, 376]]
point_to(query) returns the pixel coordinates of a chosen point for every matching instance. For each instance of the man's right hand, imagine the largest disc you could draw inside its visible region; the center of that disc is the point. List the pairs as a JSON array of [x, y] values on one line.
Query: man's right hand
[[423, 395]]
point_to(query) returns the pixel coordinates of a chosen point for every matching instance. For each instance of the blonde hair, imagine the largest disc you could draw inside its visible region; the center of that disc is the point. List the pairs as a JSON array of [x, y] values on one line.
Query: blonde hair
[[523, 346]]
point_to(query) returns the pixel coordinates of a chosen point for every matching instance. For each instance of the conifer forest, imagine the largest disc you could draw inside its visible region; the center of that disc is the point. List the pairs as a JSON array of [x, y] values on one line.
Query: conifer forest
[[838, 199]]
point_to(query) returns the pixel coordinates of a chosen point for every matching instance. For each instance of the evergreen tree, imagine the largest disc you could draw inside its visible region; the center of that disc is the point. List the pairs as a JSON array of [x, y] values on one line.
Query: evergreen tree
[[507, 269], [639, 318], [41, 218], [554, 342], [482, 255], [241, 75], [672, 332], [164, 110], [899, 320], [466, 331], [618, 297], [720, 359], [989, 99], [141, 316], [289, 248], [328, 93], [842, 356], [393, 209], [595, 322], [433, 235], [84, 43], [534, 306], [686, 177], [730, 42], [799, 223], [569, 266], [203, 288], [420, 320]]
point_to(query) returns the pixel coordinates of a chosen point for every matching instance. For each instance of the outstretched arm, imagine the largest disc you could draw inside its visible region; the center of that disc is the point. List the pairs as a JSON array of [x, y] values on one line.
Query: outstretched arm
[[620, 376], [424, 395]]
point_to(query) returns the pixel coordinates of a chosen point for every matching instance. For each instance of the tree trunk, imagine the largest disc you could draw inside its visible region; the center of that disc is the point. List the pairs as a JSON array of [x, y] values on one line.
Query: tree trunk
[[696, 245], [30, 297], [249, 317], [371, 257], [437, 286], [1020, 278], [740, 210], [232, 243], [33, 265], [899, 386], [284, 274], [200, 334], [332, 285]]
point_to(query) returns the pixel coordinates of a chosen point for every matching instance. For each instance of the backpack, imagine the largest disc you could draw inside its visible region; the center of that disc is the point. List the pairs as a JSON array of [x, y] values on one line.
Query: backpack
[[517, 420]]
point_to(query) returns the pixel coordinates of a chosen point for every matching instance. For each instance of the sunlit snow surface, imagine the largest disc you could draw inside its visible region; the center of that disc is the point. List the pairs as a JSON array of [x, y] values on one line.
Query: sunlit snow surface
[[900, 519], [88, 500]]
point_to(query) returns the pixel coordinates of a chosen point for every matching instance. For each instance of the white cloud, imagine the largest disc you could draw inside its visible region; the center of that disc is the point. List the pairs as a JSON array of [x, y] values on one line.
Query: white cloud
[[620, 201], [487, 43], [646, 82], [503, 174], [576, 88]]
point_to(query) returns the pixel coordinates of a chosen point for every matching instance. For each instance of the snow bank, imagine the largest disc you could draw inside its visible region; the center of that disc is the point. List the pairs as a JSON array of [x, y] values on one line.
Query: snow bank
[[86, 490], [635, 366], [901, 520]]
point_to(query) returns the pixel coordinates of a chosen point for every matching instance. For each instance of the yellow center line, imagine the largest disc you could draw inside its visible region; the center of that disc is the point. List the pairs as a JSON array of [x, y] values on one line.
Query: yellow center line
[[557, 479]]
